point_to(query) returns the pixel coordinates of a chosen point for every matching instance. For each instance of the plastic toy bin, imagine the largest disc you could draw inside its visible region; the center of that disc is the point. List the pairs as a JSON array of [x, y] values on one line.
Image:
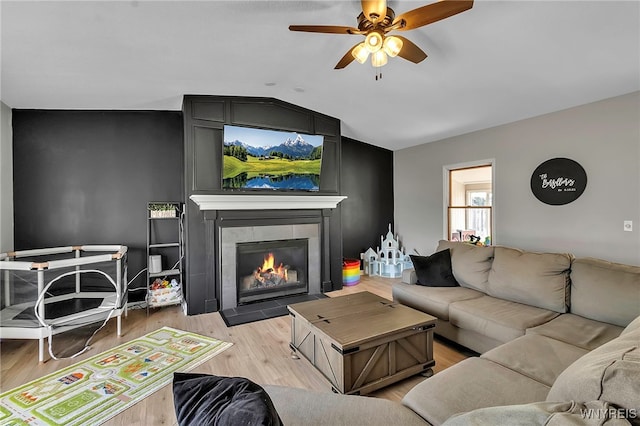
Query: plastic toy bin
[[350, 271]]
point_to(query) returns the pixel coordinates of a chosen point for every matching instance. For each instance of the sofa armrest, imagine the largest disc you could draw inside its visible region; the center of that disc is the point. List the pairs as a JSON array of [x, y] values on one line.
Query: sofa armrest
[[409, 276]]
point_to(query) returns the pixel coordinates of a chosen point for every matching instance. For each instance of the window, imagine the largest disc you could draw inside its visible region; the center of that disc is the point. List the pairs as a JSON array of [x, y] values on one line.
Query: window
[[469, 210]]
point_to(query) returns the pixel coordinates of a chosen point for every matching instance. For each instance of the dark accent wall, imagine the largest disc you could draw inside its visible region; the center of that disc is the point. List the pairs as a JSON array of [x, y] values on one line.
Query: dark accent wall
[[367, 181], [204, 120], [85, 177]]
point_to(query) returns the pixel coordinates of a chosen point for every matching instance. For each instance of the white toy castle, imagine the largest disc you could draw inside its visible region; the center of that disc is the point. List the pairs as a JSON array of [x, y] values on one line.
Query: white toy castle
[[389, 260]]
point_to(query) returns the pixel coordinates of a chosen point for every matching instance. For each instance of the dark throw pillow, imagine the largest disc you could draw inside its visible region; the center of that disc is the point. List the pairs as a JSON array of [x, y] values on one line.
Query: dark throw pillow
[[434, 270], [202, 399]]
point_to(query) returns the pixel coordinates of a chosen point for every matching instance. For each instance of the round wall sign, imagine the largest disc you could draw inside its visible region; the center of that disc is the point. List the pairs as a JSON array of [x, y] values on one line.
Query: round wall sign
[[558, 181]]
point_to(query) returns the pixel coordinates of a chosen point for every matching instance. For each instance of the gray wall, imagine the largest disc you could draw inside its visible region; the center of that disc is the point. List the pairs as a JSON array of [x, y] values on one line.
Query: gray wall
[[604, 137], [6, 180]]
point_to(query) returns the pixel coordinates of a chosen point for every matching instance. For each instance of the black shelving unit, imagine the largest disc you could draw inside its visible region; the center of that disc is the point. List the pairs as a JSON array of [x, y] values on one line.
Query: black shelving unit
[[165, 238]]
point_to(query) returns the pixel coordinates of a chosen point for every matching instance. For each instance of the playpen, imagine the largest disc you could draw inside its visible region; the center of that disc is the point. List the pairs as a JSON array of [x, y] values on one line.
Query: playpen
[[52, 290]]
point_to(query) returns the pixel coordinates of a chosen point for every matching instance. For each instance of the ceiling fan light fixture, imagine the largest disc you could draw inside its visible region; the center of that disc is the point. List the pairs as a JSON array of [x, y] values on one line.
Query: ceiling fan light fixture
[[392, 46], [360, 53], [379, 58], [374, 41], [377, 20]]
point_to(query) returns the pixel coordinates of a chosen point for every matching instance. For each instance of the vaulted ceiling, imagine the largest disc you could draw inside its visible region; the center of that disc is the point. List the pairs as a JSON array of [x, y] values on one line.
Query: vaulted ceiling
[[499, 62]]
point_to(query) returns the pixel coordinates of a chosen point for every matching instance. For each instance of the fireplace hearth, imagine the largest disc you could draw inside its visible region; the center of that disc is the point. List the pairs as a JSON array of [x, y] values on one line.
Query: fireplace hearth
[[271, 269]]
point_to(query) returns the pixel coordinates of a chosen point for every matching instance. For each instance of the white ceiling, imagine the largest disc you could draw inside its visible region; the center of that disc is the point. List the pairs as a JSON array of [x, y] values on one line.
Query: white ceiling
[[499, 62]]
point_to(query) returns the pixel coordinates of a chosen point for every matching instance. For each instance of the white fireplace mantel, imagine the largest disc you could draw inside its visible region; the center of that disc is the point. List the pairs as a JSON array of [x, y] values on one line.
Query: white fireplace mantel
[[266, 202]]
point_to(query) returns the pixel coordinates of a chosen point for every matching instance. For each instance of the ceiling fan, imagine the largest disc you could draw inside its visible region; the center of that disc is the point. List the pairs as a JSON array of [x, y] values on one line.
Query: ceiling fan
[[376, 20]]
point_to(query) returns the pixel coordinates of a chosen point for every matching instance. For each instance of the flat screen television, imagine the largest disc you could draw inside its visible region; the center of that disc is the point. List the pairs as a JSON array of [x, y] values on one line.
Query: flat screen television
[[260, 159]]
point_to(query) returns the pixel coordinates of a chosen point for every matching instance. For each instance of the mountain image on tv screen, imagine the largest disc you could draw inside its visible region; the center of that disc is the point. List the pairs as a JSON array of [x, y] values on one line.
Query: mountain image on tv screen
[[270, 159]]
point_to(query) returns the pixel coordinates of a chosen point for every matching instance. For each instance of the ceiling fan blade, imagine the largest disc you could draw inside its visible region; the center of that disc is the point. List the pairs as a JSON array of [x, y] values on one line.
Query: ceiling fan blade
[[346, 59], [410, 51], [432, 13], [374, 10], [328, 29]]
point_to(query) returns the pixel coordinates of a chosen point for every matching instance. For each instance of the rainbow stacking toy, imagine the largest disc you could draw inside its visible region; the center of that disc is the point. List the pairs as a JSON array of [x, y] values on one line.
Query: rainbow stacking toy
[[350, 272]]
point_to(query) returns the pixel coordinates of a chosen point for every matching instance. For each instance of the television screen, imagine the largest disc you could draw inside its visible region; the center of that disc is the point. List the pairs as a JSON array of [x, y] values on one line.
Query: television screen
[[270, 159]]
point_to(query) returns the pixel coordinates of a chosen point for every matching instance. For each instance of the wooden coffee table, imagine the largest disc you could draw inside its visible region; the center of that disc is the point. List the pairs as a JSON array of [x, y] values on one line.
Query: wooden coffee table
[[362, 342]]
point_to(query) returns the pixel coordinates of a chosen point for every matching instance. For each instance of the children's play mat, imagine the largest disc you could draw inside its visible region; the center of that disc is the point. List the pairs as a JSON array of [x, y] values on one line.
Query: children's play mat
[[95, 390]]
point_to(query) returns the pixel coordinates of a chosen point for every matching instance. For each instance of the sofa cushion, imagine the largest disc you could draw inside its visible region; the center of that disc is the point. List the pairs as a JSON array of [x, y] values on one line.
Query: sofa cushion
[[536, 279], [578, 331], [471, 264], [605, 291], [497, 318], [432, 300], [202, 399], [312, 408], [537, 357], [434, 270], [471, 384], [609, 373], [543, 414]]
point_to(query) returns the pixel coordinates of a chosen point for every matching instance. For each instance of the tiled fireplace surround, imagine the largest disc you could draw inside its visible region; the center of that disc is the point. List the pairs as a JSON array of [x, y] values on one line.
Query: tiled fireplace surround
[[230, 236], [232, 219]]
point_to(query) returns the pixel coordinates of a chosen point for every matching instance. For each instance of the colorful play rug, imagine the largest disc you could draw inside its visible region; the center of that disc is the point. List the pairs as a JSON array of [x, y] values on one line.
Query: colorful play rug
[[93, 391]]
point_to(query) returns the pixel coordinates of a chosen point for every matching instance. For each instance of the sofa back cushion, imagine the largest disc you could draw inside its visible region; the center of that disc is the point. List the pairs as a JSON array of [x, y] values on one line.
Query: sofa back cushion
[[536, 279], [605, 291], [609, 373], [470, 263]]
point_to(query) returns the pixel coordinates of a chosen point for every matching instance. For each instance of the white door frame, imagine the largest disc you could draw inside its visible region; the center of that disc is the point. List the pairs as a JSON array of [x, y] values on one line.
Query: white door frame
[[445, 194]]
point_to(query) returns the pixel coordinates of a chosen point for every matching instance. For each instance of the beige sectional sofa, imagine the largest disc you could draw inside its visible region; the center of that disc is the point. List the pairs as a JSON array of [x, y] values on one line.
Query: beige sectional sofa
[[559, 340], [505, 293]]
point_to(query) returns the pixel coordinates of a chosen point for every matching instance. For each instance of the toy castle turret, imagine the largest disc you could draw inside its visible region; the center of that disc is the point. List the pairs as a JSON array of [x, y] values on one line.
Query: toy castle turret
[[388, 260]]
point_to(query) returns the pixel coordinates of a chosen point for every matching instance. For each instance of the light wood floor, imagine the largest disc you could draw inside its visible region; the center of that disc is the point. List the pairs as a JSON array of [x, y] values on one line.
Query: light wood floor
[[260, 352]]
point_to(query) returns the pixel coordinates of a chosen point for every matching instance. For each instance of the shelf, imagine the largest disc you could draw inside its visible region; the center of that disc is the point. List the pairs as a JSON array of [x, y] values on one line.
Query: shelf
[[164, 245], [167, 303], [159, 237], [165, 273]]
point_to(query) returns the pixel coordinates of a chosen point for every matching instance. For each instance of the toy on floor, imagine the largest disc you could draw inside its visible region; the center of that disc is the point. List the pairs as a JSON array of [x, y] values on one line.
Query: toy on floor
[[389, 260]]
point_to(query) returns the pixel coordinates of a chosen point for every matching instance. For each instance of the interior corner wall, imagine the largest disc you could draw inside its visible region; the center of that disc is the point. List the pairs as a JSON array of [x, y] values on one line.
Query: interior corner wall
[[6, 180], [367, 181], [85, 177], [604, 137]]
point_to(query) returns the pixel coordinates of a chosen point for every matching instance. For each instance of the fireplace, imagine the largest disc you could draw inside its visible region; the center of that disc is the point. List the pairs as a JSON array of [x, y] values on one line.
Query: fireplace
[[233, 219], [271, 269], [242, 249]]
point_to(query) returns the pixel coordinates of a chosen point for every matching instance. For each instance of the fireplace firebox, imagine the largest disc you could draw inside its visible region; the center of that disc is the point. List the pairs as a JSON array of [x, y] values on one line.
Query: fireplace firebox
[[271, 269]]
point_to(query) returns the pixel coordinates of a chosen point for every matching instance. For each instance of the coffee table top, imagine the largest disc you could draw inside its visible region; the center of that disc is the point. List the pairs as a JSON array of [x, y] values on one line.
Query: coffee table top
[[356, 318]]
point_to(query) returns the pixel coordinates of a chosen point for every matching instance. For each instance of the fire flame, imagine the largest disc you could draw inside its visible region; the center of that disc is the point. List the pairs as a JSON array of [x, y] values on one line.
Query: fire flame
[[269, 266]]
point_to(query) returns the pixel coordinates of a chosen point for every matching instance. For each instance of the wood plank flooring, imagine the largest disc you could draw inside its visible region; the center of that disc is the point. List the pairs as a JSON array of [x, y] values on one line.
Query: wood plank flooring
[[260, 352]]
